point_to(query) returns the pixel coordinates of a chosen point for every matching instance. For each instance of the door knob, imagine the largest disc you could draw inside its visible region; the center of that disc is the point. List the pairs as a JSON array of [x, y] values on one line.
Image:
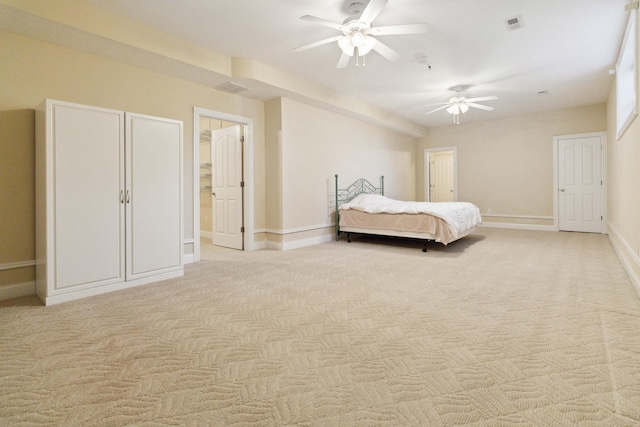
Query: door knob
[[562, 190], [213, 193]]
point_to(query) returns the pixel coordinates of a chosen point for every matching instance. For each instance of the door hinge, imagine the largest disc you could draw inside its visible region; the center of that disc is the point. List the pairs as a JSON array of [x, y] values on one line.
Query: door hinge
[[242, 229], [241, 184], [242, 138]]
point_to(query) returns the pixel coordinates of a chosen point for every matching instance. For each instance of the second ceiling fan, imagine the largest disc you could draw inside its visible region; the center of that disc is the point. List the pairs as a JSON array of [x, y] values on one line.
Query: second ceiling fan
[[459, 104], [358, 34]]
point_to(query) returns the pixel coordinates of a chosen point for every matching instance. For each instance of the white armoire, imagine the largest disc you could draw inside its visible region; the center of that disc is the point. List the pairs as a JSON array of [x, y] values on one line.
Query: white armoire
[[108, 200]]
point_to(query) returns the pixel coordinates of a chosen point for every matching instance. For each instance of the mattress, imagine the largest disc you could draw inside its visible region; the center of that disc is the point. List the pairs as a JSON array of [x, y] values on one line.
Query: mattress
[[447, 221], [420, 226]]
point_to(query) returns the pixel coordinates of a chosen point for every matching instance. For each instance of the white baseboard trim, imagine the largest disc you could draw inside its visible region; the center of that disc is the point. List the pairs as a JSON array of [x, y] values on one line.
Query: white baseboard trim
[[296, 244], [493, 215], [287, 246], [513, 226], [257, 246], [188, 258], [298, 230], [628, 258], [17, 290], [206, 234], [274, 245], [66, 295]]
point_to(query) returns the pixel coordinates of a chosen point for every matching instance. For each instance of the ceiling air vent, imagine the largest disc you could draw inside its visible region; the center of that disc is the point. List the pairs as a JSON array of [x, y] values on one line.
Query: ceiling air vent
[[231, 87], [514, 23]]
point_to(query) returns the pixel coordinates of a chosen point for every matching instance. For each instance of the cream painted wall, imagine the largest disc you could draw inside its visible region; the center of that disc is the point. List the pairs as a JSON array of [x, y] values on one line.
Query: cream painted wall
[[273, 161], [315, 145], [33, 70], [17, 193], [623, 164], [506, 165]]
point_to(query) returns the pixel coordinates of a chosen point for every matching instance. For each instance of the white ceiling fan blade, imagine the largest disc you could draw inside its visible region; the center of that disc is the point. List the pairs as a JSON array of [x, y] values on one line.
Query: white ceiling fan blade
[[482, 98], [372, 10], [321, 21], [386, 51], [437, 103], [318, 43], [479, 106], [343, 61], [437, 109], [399, 29]]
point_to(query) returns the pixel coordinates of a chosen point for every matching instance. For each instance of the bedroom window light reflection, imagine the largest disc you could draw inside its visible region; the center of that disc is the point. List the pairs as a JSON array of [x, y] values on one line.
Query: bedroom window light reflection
[[626, 78]]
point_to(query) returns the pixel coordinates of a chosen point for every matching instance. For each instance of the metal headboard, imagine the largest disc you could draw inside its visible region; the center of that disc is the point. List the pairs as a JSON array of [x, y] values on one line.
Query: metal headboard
[[360, 186]]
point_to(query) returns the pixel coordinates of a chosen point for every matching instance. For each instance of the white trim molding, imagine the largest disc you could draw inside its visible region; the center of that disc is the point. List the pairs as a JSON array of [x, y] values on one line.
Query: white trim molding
[[19, 264], [298, 230], [518, 226], [296, 244], [603, 170], [427, 170], [16, 290], [248, 202], [628, 257]]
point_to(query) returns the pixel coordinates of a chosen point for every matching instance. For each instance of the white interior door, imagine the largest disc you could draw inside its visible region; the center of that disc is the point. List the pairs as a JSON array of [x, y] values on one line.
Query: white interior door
[[580, 183], [226, 152], [441, 176]]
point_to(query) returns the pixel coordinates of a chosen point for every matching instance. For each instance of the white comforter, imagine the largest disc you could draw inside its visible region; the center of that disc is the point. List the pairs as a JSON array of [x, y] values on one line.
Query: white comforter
[[462, 217]]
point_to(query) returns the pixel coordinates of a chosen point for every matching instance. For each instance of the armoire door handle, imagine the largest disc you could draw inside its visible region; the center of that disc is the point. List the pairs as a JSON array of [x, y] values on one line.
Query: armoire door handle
[[128, 196]]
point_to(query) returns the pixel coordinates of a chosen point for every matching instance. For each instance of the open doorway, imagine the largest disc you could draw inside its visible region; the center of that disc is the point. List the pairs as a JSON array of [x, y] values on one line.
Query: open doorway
[[223, 196], [440, 174], [221, 182]]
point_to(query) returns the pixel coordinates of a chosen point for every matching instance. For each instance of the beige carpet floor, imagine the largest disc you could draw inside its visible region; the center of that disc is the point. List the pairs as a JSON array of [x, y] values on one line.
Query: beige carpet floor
[[502, 328]]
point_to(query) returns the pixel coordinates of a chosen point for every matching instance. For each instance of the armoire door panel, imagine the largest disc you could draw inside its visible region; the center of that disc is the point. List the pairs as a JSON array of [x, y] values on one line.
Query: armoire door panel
[[154, 179], [88, 147]]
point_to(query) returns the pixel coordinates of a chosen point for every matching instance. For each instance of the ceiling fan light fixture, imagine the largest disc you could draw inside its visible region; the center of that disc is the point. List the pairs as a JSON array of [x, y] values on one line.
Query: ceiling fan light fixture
[[346, 45], [350, 42], [454, 109], [369, 43], [358, 39], [457, 108]]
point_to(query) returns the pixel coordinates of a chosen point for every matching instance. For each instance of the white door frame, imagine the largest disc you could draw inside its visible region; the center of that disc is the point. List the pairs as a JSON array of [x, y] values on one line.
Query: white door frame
[[603, 161], [247, 159], [427, 171]]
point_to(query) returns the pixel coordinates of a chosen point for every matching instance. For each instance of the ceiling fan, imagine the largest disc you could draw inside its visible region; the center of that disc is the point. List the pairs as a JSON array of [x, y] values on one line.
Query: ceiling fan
[[358, 35], [459, 104]]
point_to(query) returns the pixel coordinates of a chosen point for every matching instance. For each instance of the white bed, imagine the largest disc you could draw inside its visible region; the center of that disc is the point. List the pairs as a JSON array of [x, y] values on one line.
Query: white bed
[[365, 210]]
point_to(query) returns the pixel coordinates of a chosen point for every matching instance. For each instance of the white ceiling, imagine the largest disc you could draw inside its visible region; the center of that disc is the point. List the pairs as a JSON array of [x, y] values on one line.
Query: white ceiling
[[565, 47]]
